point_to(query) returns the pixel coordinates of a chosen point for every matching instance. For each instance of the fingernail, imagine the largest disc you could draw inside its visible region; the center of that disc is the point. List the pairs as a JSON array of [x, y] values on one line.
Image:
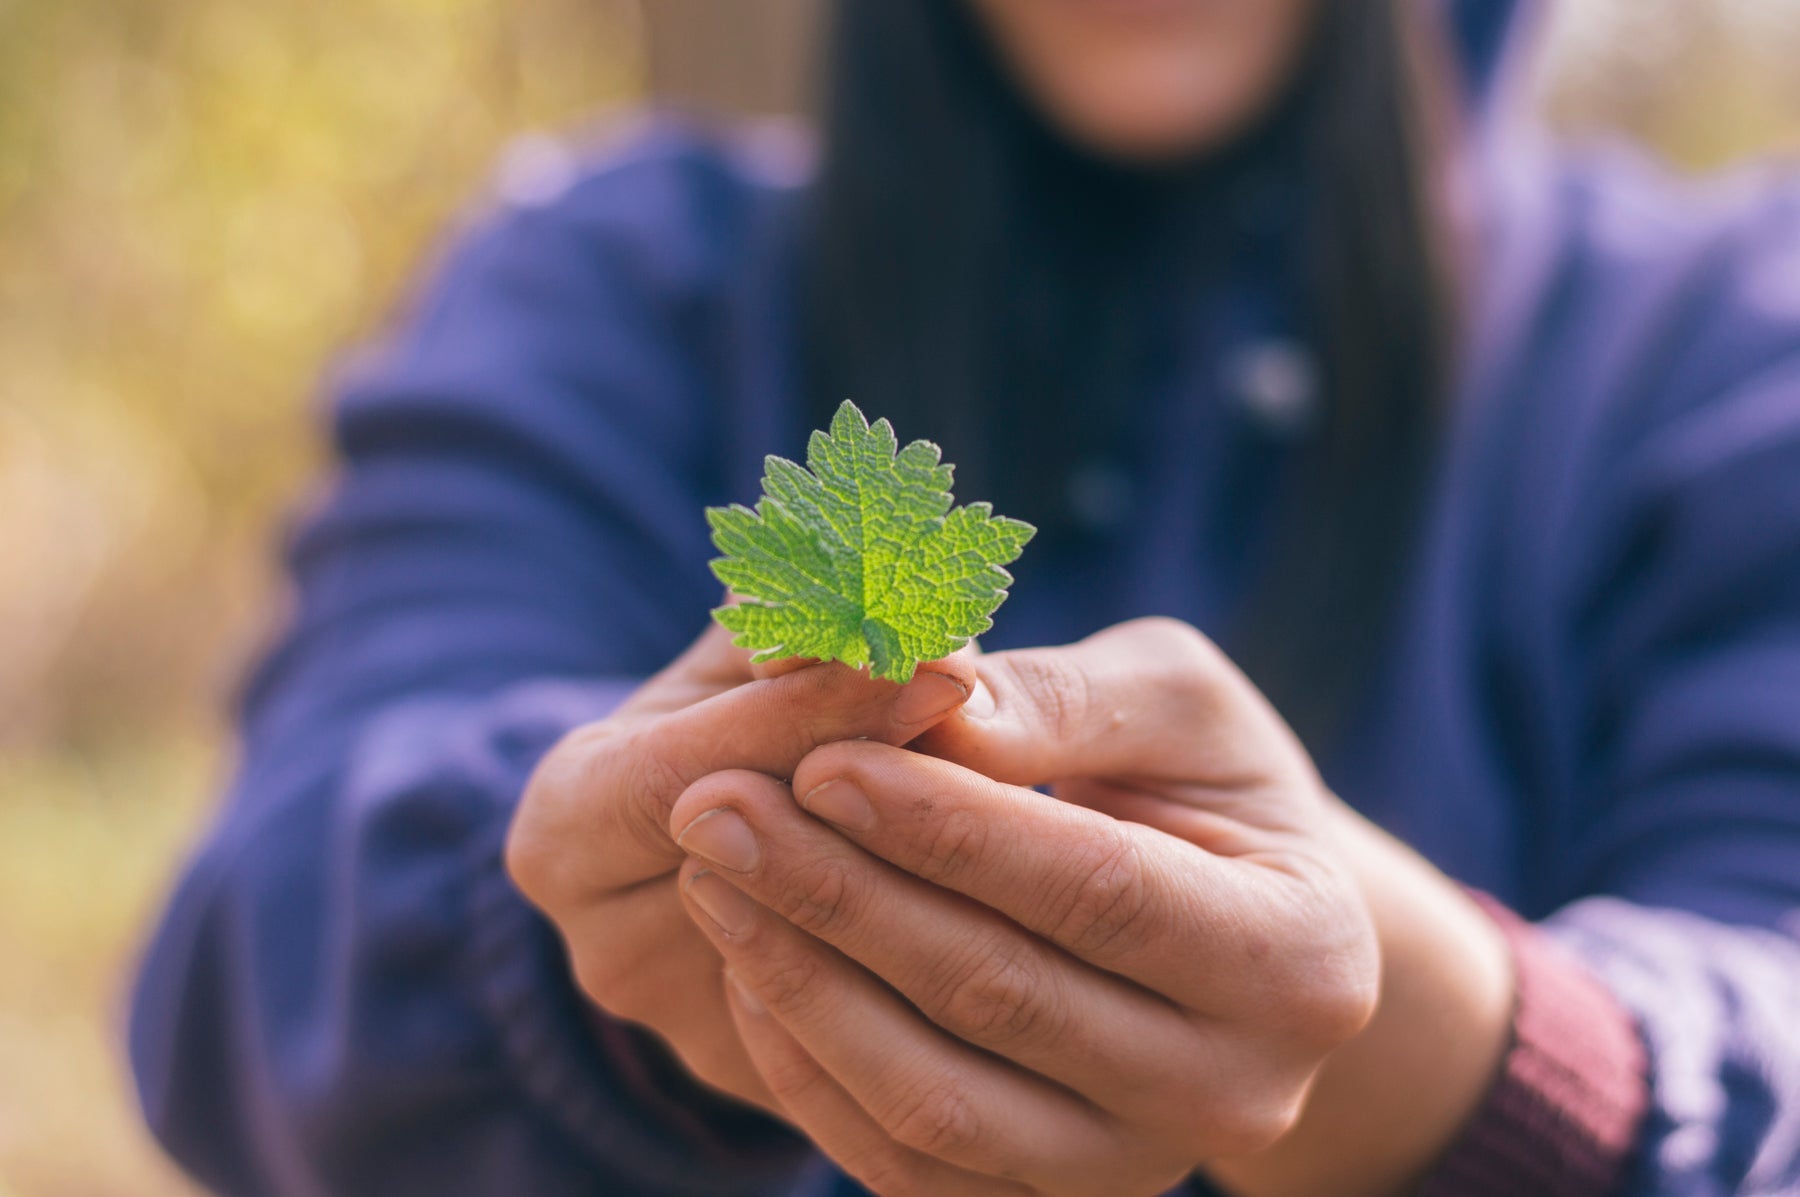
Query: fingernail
[[928, 695], [751, 1003], [841, 802], [722, 837], [733, 910], [981, 703]]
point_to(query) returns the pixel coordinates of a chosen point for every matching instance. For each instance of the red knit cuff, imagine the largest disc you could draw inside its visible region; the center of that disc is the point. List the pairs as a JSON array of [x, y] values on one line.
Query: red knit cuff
[[1562, 1117]]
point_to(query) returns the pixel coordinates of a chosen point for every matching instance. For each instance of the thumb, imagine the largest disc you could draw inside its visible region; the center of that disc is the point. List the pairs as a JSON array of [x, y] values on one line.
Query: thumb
[[710, 665], [1150, 698]]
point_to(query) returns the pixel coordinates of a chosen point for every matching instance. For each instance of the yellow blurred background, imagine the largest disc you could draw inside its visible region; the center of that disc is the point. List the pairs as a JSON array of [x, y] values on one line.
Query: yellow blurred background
[[201, 202]]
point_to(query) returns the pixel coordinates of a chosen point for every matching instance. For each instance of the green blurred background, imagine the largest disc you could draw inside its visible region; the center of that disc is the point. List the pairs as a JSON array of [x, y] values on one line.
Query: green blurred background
[[201, 202]]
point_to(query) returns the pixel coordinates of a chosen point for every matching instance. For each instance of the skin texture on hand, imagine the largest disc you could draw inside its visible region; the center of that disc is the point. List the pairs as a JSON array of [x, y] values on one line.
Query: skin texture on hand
[[958, 984], [1191, 957], [1390, 1103], [589, 844]]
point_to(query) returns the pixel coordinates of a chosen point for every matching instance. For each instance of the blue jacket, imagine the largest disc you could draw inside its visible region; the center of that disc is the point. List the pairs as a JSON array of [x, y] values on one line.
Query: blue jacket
[[1593, 709]]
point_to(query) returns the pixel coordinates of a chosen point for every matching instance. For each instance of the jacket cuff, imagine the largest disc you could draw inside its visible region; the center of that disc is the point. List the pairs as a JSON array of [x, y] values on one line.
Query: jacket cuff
[[614, 1092], [1562, 1117], [608, 1086]]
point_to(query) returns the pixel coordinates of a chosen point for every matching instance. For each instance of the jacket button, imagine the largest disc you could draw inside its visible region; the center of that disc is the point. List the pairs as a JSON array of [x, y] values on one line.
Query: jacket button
[[1277, 386]]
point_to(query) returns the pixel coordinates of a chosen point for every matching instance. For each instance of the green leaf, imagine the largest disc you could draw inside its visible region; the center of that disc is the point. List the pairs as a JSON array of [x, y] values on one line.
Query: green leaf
[[859, 557]]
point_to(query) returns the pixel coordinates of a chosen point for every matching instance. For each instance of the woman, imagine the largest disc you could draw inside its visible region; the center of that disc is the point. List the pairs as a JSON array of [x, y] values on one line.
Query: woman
[[1498, 502]]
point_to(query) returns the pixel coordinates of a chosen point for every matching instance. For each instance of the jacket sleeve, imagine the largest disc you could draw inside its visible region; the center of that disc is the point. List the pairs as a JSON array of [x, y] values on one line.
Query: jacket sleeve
[[1690, 643], [345, 994]]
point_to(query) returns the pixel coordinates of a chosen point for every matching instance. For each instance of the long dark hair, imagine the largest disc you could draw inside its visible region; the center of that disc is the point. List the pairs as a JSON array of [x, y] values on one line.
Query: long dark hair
[[981, 281]]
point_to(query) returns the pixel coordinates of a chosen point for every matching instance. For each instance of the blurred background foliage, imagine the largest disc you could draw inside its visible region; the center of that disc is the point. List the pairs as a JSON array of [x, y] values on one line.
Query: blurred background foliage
[[201, 203]]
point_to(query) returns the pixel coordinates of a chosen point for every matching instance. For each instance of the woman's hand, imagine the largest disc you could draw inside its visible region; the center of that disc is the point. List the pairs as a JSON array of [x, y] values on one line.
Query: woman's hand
[[1388, 1103], [589, 843], [965, 986]]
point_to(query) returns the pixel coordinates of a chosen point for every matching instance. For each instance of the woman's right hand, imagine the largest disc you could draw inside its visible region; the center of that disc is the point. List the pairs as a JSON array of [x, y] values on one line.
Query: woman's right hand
[[590, 846]]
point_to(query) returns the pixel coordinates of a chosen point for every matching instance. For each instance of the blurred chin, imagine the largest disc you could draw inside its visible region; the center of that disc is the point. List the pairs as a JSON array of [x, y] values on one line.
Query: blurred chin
[[1149, 79], [1142, 115]]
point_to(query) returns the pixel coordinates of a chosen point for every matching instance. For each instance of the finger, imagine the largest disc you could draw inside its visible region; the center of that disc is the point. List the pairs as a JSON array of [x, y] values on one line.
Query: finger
[[1152, 697], [780, 667], [925, 1089], [708, 666], [838, 1126], [1210, 932], [624, 951], [640, 960], [967, 968], [595, 813]]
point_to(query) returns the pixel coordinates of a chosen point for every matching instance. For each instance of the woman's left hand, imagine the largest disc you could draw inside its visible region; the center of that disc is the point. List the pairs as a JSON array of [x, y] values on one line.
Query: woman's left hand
[[955, 984]]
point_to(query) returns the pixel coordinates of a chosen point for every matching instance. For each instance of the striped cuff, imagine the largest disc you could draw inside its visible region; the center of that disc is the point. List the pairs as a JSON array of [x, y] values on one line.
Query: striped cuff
[[1562, 1117]]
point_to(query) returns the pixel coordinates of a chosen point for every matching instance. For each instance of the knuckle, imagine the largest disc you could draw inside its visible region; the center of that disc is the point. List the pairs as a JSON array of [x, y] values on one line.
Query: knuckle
[[606, 978], [1245, 1126], [787, 985], [1358, 1004], [652, 777], [1164, 636], [1000, 1001], [935, 1118], [1322, 988], [791, 1075], [535, 853], [1194, 694], [819, 896], [529, 863], [1170, 633], [1192, 668], [1057, 693], [811, 732], [647, 780], [1106, 910], [546, 805], [1338, 1012], [1328, 1000], [1181, 664], [952, 846]]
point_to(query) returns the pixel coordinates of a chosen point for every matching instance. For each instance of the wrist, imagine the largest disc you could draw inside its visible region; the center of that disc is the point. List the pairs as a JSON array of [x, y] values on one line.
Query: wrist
[[1563, 1115], [1389, 1103]]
